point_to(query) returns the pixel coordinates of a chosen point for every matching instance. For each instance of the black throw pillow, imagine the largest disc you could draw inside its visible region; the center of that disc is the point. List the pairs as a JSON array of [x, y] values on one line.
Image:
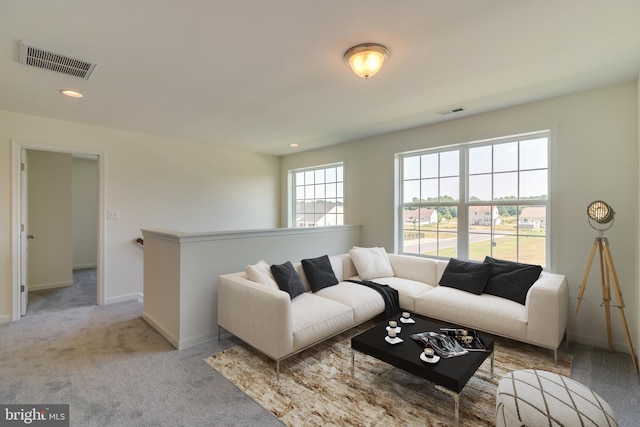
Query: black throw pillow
[[319, 273], [466, 275], [511, 280], [287, 278]]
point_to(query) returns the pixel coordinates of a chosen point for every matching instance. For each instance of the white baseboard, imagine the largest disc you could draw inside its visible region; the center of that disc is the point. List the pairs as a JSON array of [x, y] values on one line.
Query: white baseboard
[[161, 330], [45, 286], [83, 266], [5, 319], [190, 342], [601, 342], [135, 296], [180, 344]]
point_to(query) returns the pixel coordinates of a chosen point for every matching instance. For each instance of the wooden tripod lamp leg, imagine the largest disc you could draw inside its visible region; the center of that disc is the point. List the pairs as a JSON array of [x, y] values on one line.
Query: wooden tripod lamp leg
[[581, 290], [619, 301], [606, 294]]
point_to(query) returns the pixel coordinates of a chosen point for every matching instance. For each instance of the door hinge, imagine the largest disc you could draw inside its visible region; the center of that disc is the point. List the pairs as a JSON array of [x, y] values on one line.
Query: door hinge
[[21, 227], [22, 166], [21, 288]]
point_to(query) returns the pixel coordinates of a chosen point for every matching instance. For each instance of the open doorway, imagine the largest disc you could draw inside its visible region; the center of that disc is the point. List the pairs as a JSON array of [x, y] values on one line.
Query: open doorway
[[26, 235], [62, 221]]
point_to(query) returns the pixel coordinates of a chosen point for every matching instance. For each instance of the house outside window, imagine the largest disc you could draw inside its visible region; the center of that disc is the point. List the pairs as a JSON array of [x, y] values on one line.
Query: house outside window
[[318, 196], [478, 199]]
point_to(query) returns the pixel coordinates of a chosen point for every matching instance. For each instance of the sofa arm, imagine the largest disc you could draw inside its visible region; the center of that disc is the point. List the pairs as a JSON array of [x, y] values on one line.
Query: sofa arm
[[257, 314], [548, 306]]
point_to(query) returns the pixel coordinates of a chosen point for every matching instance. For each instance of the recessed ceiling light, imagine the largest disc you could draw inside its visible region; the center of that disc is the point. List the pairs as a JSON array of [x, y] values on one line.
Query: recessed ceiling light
[[71, 93], [294, 145]]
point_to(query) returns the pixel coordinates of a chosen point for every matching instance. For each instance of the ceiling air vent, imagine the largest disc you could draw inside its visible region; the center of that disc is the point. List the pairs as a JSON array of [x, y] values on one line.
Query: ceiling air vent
[[53, 61]]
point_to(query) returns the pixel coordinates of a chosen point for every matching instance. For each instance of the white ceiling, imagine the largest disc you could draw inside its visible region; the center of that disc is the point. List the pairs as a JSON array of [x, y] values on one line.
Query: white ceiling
[[260, 74]]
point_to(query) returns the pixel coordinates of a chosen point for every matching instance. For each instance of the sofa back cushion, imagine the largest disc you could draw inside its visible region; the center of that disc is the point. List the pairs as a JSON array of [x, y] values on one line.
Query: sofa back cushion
[[415, 268], [348, 267], [303, 278], [337, 267], [442, 266]]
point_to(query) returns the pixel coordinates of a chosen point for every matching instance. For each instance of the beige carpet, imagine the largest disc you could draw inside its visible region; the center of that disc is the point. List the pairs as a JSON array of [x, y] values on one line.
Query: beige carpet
[[316, 387]]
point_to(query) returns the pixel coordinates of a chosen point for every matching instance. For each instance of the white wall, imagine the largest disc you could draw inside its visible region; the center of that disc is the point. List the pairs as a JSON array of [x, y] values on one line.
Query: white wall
[[594, 156], [49, 220], [154, 182], [85, 187]]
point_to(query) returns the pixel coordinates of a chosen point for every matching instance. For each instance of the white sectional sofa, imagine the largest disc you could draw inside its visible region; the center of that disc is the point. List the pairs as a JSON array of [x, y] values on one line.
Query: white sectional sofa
[[268, 319]]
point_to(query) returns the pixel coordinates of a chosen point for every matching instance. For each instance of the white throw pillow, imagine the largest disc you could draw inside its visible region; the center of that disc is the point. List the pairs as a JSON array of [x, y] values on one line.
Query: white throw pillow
[[261, 273], [371, 263]]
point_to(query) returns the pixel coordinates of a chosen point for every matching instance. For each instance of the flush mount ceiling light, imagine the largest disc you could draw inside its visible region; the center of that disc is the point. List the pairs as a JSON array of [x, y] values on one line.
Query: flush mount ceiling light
[[366, 59], [71, 93]]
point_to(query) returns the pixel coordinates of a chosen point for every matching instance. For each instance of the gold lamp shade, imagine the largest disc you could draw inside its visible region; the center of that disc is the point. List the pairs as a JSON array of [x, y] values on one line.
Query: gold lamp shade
[[366, 59]]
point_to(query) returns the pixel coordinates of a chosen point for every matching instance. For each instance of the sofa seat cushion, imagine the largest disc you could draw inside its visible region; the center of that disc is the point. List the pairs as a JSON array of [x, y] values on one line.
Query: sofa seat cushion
[[365, 302], [485, 312], [315, 318], [407, 289]]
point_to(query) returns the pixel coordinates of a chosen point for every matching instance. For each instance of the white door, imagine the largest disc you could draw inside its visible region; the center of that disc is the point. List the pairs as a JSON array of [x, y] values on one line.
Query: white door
[[24, 235], [50, 220]]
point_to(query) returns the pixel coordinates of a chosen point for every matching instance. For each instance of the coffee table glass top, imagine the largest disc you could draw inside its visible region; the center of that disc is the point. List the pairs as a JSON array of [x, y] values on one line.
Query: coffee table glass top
[[451, 373]]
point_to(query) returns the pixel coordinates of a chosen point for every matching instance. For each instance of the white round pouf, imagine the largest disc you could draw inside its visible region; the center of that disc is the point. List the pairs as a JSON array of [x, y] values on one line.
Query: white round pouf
[[540, 398]]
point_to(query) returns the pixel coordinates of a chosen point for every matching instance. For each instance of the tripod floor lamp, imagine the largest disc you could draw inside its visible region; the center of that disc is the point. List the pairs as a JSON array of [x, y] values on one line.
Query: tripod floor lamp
[[601, 213]]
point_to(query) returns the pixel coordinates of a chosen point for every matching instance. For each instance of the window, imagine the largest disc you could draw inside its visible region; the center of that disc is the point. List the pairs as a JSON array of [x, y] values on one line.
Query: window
[[477, 199], [319, 199]]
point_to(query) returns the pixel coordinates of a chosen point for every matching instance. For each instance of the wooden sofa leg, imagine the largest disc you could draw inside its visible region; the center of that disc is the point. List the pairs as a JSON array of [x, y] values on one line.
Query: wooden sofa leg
[[277, 370], [555, 357]]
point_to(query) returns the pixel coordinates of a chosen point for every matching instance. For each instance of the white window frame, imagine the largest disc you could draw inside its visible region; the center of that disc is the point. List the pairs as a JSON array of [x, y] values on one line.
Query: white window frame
[[463, 204], [293, 189]]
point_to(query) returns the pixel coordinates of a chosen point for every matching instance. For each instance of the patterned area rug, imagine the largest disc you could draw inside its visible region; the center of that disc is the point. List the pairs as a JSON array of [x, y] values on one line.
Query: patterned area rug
[[316, 387]]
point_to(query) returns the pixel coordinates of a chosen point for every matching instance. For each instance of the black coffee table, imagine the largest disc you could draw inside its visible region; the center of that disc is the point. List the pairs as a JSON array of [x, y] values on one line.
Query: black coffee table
[[448, 375]]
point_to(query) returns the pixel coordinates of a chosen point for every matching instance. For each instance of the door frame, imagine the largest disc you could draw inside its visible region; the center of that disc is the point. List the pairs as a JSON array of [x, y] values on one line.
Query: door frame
[[17, 148], [24, 235]]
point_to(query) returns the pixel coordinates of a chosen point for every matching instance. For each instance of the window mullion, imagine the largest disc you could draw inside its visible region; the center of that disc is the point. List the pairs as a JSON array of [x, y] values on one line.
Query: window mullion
[[463, 205]]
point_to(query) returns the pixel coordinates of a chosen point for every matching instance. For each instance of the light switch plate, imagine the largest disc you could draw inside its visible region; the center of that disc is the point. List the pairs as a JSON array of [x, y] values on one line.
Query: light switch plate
[[113, 214]]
